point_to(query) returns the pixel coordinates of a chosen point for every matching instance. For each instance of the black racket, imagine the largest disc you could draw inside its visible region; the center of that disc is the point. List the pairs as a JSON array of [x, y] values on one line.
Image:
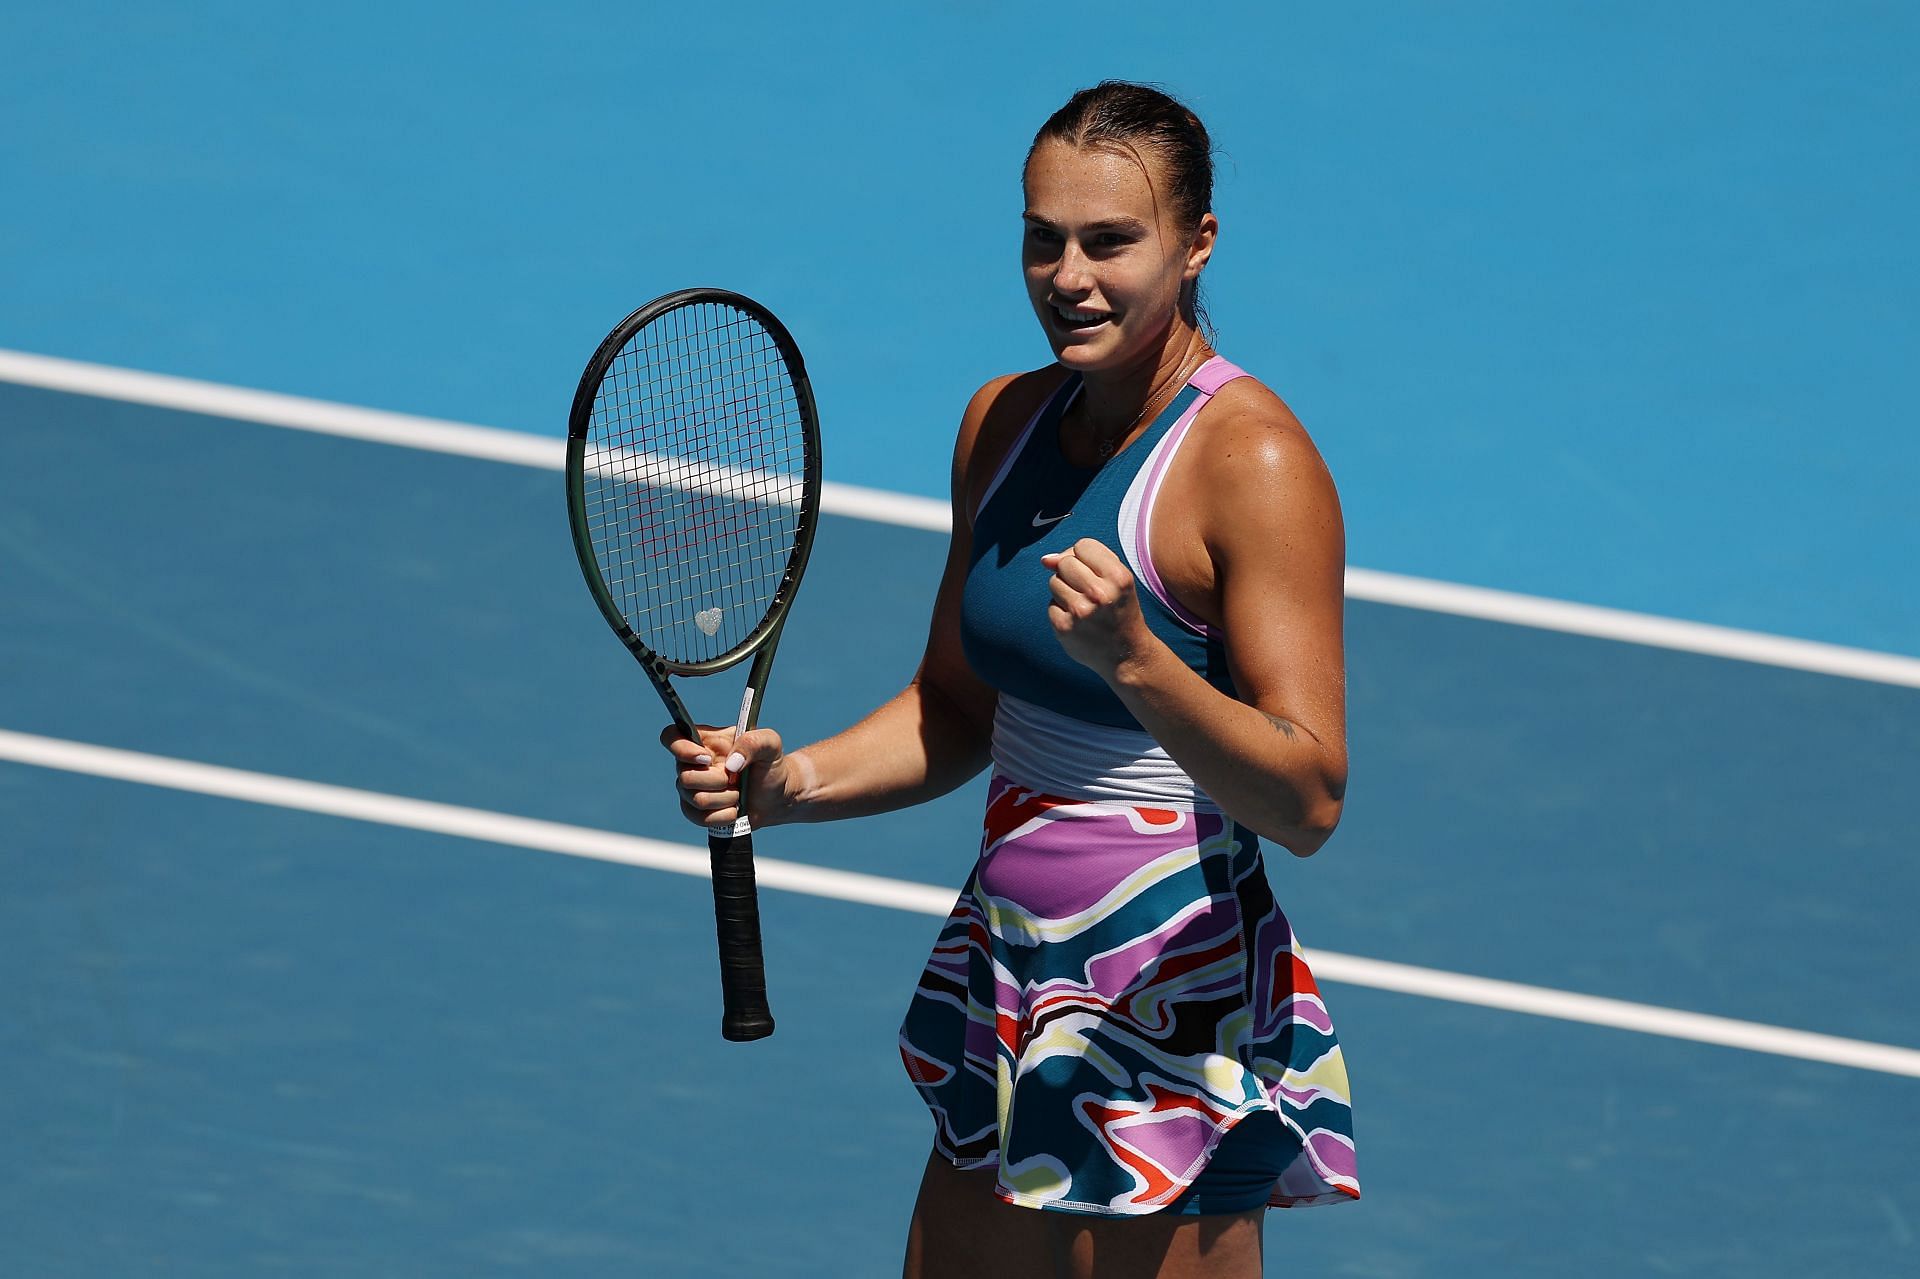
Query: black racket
[[693, 488]]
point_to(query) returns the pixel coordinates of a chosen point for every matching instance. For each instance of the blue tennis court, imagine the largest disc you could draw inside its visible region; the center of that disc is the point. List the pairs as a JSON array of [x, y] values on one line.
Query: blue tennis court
[[242, 1036], [346, 925]]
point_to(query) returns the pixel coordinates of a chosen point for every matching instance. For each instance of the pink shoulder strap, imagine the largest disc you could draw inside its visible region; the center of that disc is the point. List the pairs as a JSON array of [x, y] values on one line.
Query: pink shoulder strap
[[1214, 374]]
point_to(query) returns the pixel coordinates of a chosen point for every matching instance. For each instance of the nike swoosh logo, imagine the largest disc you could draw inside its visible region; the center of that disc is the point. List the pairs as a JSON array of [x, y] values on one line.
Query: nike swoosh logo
[[1041, 521]]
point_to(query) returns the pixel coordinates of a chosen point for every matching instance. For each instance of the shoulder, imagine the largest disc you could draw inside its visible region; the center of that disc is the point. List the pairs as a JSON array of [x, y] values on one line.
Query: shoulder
[[1250, 440], [1008, 401], [1262, 469], [994, 418]]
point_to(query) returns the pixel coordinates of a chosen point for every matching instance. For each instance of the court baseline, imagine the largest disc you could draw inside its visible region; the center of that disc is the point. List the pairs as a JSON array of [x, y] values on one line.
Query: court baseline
[[269, 408]]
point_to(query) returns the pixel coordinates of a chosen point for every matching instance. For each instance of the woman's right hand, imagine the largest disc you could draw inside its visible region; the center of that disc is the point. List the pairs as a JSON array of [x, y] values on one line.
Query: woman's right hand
[[709, 774]]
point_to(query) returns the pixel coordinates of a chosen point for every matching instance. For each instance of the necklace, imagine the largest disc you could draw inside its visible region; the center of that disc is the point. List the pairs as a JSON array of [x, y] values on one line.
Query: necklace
[[1112, 442]]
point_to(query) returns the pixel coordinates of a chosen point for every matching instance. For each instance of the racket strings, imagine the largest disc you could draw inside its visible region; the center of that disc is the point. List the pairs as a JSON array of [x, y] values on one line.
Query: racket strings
[[695, 478], [704, 537]]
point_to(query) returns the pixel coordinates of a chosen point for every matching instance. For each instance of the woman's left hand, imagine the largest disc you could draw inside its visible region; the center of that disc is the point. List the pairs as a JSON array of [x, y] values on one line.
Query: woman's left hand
[[1094, 612]]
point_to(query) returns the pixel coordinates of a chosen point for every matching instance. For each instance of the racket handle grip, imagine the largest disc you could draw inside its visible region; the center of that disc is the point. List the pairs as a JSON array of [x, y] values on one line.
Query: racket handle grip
[[736, 915]]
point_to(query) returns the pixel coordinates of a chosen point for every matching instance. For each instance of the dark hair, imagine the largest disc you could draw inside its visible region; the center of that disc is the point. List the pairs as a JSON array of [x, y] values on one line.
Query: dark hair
[[1139, 117]]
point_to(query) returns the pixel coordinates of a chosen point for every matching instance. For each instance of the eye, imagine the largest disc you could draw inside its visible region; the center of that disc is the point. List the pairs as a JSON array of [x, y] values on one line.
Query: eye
[[1042, 235]]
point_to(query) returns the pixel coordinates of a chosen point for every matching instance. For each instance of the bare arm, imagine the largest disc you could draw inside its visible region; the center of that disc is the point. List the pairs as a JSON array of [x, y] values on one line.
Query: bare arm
[[923, 742], [926, 740], [1277, 761]]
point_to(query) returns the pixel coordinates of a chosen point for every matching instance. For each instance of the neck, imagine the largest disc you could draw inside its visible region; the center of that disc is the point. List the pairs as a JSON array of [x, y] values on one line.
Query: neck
[[1114, 402]]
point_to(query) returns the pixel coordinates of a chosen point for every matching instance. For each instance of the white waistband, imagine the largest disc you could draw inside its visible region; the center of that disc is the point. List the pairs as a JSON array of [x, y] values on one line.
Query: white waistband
[[1059, 755]]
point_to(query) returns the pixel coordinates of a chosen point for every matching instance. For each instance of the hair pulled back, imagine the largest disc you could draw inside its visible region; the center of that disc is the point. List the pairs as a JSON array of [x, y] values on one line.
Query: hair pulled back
[[1123, 115]]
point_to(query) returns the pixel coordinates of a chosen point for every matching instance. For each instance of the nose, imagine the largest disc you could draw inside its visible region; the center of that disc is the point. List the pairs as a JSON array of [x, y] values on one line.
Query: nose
[[1072, 275]]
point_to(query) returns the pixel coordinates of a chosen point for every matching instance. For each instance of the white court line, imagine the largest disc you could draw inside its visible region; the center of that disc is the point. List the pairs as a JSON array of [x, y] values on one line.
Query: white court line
[[489, 443], [746, 485], [268, 408], [894, 894]]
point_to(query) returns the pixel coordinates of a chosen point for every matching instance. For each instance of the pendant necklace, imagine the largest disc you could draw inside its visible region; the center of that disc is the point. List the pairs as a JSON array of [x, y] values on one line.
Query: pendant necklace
[[1111, 442]]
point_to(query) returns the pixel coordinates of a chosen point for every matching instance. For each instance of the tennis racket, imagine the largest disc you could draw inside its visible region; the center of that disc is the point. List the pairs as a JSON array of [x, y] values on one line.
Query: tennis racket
[[693, 488]]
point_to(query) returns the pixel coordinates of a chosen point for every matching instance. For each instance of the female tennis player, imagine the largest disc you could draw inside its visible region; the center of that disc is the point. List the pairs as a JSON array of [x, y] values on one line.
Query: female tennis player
[[1139, 627]]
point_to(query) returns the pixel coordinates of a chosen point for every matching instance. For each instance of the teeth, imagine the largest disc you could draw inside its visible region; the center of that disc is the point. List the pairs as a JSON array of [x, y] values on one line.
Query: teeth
[[1081, 317]]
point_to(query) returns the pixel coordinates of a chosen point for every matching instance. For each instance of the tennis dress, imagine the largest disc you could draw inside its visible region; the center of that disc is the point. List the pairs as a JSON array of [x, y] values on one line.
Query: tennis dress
[[1116, 986]]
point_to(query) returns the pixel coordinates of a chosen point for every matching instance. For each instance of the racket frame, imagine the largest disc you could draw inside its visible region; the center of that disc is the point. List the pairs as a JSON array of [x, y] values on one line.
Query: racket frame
[[742, 966]]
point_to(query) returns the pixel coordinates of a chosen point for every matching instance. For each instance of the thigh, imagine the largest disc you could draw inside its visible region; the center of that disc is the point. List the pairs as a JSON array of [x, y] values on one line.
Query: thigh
[[961, 1230], [1159, 1246]]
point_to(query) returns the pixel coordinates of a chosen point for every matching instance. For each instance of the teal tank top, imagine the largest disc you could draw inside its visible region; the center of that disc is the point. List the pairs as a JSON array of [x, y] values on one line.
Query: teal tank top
[[1040, 503]]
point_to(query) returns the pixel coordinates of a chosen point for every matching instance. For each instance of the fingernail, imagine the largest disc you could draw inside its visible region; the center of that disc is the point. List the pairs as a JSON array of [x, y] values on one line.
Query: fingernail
[[705, 761], [736, 762]]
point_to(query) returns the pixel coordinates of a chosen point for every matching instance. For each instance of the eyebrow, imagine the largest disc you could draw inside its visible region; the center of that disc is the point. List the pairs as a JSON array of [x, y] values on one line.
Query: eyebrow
[[1134, 225]]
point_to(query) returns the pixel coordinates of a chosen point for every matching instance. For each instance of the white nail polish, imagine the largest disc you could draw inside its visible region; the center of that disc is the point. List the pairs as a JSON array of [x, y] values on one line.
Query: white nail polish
[[736, 762]]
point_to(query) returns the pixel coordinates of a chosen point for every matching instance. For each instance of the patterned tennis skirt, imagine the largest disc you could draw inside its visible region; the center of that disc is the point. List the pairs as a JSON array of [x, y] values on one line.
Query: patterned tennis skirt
[[1116, 988]]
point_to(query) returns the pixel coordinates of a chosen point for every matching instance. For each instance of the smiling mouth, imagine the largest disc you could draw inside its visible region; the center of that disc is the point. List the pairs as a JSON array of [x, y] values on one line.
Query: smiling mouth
[[1079, 320]]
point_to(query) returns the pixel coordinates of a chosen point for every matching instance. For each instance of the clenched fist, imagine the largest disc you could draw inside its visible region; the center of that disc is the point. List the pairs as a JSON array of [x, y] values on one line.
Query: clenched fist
[[1095, 612]]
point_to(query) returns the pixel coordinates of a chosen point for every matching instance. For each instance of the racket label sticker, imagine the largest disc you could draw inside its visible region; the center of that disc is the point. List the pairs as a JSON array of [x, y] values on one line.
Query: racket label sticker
[[744, 826]]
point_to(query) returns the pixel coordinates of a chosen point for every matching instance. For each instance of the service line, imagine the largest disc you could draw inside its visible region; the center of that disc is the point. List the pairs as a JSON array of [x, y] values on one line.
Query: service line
[[895, 894]]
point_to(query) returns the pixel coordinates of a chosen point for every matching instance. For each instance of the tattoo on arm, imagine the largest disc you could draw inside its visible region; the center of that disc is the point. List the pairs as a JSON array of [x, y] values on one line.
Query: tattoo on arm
[[1336, 787]]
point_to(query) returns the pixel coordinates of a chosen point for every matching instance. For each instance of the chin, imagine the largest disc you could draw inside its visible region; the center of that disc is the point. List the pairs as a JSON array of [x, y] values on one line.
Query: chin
[[1091, 357], [1068, 351]]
